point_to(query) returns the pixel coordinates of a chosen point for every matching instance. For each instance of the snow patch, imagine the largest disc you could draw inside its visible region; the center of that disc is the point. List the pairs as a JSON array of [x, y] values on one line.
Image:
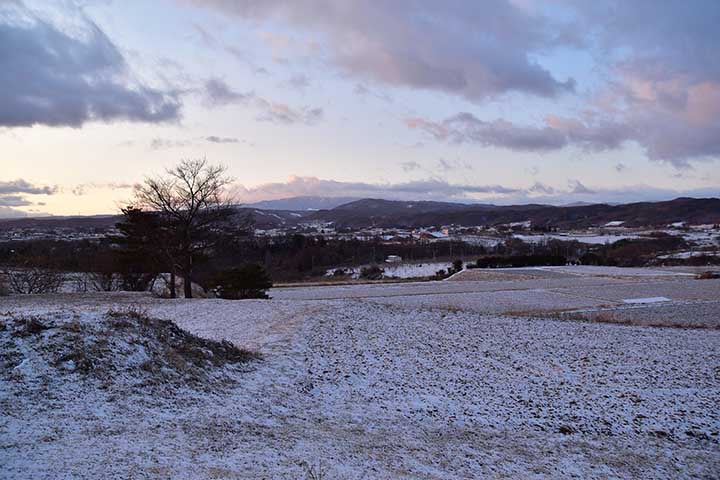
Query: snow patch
[[646, 300]]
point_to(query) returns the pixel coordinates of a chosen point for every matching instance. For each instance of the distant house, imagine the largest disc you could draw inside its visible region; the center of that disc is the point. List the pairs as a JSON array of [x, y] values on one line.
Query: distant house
[[431, 236]]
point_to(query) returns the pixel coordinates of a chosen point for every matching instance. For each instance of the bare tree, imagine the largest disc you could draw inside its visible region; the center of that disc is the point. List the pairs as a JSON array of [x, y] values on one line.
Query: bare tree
[[192, 202], [32, 279]]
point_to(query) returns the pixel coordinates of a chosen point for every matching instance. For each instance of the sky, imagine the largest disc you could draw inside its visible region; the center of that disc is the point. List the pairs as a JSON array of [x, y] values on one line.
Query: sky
[[499, 101]]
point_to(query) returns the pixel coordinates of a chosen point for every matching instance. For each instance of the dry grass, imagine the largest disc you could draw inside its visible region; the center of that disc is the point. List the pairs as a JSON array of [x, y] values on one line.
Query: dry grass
[[636, 316], [28, 326], [617, 316], [147, 352]]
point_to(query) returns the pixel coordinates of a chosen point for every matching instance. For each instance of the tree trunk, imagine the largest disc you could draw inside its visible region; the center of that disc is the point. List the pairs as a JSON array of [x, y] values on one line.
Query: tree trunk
[[187, 285], [173, 294]]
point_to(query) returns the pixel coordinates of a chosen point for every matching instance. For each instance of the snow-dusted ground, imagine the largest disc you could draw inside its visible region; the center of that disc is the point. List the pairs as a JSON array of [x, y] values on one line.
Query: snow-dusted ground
[[401, 270], [702, 237], [430, 380], [580, 237], [414, 270]]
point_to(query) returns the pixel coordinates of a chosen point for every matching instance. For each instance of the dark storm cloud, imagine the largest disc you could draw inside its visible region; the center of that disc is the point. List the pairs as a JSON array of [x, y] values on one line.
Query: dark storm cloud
[[49, 77]]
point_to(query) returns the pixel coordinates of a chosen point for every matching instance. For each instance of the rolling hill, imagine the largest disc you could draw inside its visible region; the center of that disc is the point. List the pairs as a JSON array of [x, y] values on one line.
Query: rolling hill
[[386, 213], [411, 214]]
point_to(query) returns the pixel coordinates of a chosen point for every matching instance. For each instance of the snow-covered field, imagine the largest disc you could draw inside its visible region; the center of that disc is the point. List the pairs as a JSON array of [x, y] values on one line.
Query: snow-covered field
[[433, 380], [701, 237], [401, 270], [580, 237]]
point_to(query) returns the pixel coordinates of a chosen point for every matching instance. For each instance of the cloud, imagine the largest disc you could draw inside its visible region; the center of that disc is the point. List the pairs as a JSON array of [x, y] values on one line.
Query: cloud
[[662, 40], [205, 36], [663, 71], [555, 134], [675, 137], [577, 187], [83, 188], [410, 166], [14, 193], [444, 165], [55, 77], [23, 186], [218, 93], [281, 113], [466, 128], [14, 201], [7, 212], [670, 129], [164, 143], [541, 188], [365, 91], [655, 68], [471, 49], [299, 81], [598, 136], [312, 186], [216, 139], [159, 143]]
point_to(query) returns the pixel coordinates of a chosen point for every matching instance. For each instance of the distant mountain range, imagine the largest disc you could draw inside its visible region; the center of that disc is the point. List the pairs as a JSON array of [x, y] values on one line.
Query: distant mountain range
[[386, 213], [366, 213], [301, 203]]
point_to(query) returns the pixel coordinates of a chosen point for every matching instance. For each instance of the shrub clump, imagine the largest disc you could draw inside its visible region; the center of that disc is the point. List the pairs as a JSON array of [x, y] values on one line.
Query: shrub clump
[[372, 272], [709, 275], [457, 265], [247, 281], [505, 261], [30, 280]]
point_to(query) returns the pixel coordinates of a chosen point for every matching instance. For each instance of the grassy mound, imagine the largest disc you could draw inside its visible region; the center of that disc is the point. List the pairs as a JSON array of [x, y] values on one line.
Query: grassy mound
[[121, 350]]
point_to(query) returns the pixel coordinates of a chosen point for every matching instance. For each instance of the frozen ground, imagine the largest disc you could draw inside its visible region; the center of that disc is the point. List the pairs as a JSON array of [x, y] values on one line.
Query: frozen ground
[[582, 238], [429, 380], [401, 270]]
